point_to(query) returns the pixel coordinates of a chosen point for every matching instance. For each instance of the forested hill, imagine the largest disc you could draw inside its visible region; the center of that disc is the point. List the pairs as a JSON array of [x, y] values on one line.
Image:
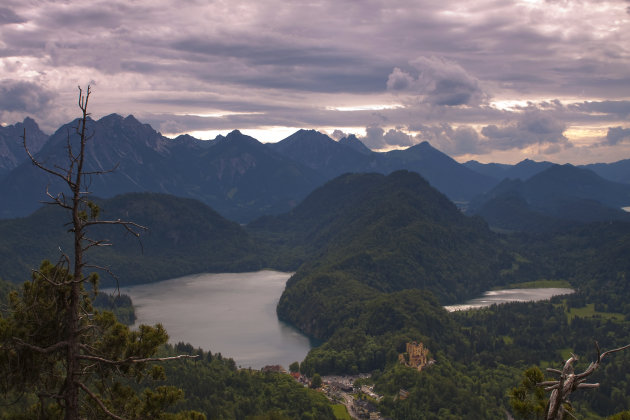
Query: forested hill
[[391, 233], [382, 234], [184, 236]]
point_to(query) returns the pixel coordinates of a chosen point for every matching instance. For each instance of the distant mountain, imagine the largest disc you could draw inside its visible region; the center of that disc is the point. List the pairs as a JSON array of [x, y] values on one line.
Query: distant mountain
[[139, 155], [242, 178], [522, 170], [324, 155], [556, 196], [236, 175], [494, 170], [184, 237], [616, 171], [12, 152], [353, 142], [455, 180], [330, 158]]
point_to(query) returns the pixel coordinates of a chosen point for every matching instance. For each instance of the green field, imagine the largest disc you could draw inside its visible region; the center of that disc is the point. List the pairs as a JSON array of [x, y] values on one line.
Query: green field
[[589, 312], [340, 411], [537, 284]]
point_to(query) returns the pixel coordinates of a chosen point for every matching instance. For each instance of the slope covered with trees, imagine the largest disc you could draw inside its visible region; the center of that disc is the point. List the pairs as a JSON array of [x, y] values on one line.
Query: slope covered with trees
[[184, 236]]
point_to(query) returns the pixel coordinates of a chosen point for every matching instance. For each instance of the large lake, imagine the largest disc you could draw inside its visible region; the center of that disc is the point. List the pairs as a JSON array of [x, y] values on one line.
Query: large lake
[[234, 314], [510, 295]]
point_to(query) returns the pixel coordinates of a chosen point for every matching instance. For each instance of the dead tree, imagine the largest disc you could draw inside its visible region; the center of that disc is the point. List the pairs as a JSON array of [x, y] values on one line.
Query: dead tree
[[78, 347], [569, 381]]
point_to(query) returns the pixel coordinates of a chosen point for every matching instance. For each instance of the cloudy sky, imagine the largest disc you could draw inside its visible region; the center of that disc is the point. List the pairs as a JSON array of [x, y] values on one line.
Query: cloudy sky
[[492, 80]]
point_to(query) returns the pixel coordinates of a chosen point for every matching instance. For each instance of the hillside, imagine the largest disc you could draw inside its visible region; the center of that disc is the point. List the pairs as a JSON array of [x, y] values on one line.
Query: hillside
[[382, 234], [184, 237]]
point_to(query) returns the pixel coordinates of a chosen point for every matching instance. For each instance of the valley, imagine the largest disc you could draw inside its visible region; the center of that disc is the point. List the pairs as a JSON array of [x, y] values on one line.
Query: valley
[[376, 255]]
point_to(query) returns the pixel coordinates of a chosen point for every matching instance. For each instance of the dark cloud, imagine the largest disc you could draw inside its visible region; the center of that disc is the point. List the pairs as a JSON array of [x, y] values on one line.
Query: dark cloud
[[88, 16], [24, 96], [442, 82], [8, 16], [620, 109], [532, 128], [377, 138], [616, 135]]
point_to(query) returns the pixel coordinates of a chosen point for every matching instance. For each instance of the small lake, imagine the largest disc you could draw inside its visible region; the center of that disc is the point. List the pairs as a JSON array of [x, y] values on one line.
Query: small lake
[[510, 295], [231, 314]]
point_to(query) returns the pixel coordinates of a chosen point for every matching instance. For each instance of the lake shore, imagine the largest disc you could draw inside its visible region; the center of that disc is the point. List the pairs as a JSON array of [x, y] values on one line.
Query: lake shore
[[496, 297]]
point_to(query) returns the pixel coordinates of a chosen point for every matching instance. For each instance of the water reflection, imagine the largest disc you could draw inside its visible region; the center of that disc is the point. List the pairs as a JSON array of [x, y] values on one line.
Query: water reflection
[[234, 314], [510, 295]]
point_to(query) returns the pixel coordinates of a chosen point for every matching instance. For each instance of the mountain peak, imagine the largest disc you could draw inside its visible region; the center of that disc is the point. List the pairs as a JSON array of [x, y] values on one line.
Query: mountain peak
[[353, 142], [111, 118]]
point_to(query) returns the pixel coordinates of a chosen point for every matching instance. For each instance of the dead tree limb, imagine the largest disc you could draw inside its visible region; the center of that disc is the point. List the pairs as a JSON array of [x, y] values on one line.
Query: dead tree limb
[[568, 382]]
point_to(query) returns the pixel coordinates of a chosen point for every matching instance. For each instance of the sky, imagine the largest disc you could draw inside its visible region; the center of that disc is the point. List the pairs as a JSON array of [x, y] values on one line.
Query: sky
[[490, 80]]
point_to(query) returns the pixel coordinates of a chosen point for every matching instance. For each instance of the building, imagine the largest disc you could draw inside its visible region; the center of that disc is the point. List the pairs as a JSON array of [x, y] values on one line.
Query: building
[[416, 356]]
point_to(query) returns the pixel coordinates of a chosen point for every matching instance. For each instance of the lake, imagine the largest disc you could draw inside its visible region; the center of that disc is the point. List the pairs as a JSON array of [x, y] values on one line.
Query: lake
[[510, 295], [231, 314]]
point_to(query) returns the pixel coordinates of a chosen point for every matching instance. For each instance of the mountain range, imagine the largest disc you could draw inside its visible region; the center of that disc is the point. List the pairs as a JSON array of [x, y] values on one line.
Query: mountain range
[[553, 198], [12, 151], [239, 177]]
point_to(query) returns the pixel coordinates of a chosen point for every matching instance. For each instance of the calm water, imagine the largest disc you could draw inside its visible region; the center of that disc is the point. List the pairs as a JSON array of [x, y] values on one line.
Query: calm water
[[510, 295], [234, 314]]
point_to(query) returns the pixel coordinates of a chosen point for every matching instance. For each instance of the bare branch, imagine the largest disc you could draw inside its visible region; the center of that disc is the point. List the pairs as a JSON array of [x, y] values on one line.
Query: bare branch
[[614, 351], [130, 360], [98, 401], [569, 382], [127, 225]]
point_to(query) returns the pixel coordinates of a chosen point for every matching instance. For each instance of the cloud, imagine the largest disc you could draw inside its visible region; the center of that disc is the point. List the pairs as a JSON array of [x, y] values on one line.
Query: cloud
[[616, 135], [440, 81], [399, 80], [377, 138], [452, 141], [24, 96], [620, 109], [338, 135], [8, 16], [532, 128]]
